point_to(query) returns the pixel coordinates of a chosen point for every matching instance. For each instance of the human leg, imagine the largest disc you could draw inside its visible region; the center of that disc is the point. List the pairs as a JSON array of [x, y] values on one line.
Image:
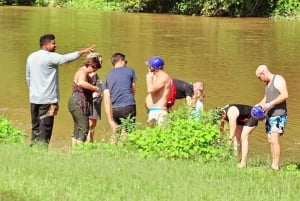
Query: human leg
[[119, 114], [81, 122], [275, 128], [237, 140], [245, 145], [273, 140], [46, 124], [35, 123], [41, 128], [92, 126]]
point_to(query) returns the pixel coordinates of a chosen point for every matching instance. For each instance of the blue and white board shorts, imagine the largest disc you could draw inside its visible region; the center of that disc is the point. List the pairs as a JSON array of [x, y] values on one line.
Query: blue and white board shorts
[[276, 124]]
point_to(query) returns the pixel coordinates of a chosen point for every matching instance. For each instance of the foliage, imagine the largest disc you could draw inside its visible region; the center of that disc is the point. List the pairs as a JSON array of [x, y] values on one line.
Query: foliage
[[129, 124], [9, 133], [17, 2], [232, 8], [287, 8], [181, 137], [292, 167]]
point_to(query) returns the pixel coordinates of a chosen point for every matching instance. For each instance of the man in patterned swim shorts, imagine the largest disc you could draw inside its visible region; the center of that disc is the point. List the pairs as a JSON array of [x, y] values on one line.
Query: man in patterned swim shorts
[[275, 106]]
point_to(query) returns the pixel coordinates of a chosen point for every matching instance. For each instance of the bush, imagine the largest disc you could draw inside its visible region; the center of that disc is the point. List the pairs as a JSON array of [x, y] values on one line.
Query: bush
[[181, 137], [9, 133]]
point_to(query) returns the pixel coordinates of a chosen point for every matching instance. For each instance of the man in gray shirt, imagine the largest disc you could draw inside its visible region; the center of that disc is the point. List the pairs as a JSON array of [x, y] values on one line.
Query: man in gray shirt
[[42, 81]]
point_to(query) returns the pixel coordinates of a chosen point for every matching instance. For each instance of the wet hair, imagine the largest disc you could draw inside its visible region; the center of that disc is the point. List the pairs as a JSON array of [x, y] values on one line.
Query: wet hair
[[46, 39], [95, 55], [94, 61], [117, 57], [198, 95]]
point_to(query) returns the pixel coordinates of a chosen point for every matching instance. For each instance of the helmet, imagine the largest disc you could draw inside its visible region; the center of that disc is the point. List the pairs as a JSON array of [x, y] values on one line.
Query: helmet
[[258, 113], [155, 62]]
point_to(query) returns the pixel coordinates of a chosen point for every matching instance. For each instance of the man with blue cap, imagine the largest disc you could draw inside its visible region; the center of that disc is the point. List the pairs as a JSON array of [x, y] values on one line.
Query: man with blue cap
[[158, 89]]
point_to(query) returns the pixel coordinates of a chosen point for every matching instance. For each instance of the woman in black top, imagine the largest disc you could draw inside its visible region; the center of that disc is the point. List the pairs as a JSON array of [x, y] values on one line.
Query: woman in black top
[[241, 125]]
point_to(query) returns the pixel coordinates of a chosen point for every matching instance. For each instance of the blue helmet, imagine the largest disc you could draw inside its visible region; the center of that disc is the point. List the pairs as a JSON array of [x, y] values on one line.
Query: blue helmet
[[155, 62], [258, 113]]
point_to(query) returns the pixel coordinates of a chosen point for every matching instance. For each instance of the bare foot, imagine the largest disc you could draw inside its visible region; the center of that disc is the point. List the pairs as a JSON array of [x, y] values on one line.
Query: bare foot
[[241, 165], [274, 168]]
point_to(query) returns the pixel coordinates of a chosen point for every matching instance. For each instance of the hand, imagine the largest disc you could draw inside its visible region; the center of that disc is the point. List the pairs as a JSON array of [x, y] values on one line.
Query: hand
[[229, 142], [92, 48], [149, 75], [96, 94], [113, 126], [266, 106], [87, 50], [52, 110]]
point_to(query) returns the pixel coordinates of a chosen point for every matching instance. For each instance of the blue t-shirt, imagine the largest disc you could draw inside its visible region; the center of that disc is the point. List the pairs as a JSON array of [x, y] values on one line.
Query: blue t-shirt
[[119, 83]]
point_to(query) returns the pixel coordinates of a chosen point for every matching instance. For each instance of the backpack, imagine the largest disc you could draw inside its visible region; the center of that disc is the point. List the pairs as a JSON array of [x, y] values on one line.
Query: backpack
[[172, 95]]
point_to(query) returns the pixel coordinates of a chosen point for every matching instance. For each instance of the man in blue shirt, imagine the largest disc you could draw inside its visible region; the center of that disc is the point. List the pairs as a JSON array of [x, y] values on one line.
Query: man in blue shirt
[[118, 93]]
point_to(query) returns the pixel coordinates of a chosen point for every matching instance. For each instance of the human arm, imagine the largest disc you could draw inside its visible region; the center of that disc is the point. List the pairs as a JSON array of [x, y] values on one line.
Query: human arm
[[57, 58], [27, 74], [280, 85], [154, 84], [108, 110], [188, 100], [87, 50], [133, 88], [82, 82]]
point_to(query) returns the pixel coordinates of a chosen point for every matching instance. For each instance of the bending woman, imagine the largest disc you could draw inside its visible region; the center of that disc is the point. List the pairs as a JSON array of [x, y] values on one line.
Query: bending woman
[[241, 125]]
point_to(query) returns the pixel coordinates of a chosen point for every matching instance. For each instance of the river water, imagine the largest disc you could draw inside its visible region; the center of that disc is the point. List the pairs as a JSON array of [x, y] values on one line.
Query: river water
[[221, 52]]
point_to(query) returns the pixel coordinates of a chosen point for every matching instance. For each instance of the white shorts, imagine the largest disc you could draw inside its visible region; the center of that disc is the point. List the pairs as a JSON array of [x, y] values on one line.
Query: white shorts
[[156, 115]]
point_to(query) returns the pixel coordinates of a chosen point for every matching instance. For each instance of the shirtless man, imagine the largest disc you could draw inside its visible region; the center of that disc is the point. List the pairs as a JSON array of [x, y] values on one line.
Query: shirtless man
[[158, 87]]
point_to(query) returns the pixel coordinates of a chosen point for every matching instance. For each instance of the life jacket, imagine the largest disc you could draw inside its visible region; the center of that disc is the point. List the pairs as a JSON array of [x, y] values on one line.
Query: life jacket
[[172, 95]]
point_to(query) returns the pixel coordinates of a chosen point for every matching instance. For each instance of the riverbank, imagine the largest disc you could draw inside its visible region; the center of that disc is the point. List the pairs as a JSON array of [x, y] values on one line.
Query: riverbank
[[110, 174], [227, 8]]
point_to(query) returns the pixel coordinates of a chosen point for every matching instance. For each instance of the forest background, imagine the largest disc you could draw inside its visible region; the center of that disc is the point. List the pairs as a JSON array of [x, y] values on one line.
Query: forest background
[[210, 8]]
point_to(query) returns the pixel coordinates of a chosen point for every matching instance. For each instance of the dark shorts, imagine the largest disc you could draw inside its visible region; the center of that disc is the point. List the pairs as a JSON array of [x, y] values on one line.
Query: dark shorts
[[96, 109], [251, 122], [123, 113]]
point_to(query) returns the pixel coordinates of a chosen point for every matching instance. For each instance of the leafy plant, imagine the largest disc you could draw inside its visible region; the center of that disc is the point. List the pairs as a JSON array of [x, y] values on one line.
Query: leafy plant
[[181, 137], [9, 133]]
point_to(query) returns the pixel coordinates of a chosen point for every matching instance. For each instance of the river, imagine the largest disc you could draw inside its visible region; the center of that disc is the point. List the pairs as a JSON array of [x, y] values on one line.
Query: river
[[221, 52]]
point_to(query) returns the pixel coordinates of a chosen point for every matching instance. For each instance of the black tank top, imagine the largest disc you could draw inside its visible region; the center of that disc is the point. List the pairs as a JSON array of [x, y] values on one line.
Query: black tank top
[[244, 112]]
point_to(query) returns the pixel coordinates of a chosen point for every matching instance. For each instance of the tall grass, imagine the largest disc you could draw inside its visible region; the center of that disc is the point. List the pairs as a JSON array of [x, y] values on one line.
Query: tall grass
[[109, 174]]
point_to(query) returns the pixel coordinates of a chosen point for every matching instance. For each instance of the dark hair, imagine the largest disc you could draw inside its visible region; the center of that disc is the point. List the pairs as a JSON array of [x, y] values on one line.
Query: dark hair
[[46, 39], [93, 61], [117, 57]]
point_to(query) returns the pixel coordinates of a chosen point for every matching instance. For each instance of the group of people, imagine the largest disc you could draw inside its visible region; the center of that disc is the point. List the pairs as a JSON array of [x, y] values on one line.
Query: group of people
[[118, 94], [243, 119]]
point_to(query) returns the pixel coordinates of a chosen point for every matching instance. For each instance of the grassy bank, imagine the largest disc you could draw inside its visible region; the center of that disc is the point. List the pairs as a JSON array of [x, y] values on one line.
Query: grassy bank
[[35, 175]]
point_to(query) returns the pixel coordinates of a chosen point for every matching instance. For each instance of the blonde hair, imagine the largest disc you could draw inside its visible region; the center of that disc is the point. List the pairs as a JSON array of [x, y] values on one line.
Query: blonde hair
[[94, 54], [198, 96]]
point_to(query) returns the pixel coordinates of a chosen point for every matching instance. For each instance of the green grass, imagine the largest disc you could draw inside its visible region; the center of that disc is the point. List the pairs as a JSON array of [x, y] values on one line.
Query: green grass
[[106, 175]]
